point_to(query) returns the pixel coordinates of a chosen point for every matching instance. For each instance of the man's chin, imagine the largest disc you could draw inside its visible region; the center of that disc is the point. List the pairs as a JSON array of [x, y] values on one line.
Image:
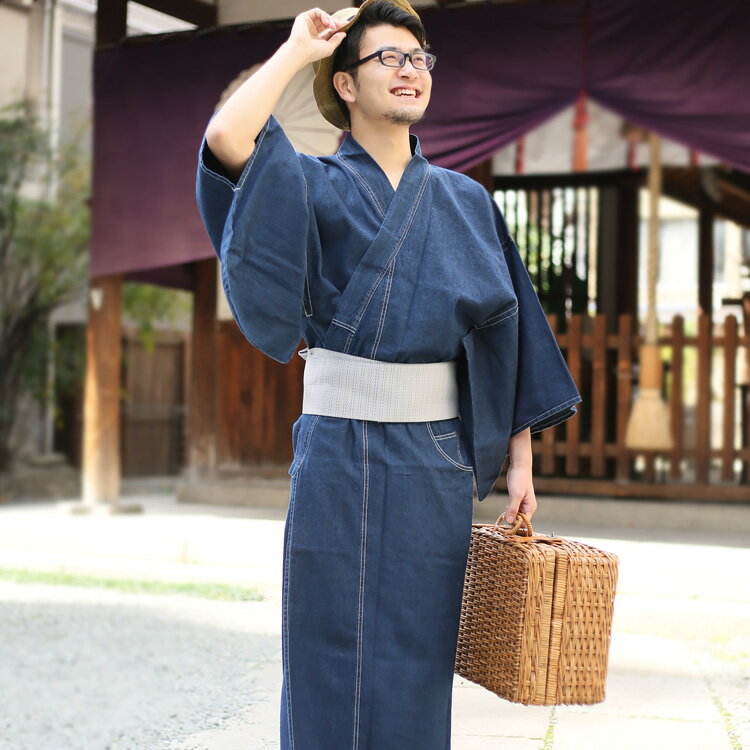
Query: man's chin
[[404, 116]]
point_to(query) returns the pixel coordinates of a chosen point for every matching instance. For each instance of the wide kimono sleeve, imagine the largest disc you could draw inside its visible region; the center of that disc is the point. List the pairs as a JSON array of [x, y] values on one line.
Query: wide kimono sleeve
[[513, 375], [260, 228]]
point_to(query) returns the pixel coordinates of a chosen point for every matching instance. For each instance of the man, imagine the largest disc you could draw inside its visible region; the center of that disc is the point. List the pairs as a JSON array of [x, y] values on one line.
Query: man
[[428, 359]]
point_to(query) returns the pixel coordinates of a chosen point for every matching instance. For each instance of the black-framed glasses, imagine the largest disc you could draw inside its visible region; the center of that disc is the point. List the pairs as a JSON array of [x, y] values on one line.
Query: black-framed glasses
[[393, 58]]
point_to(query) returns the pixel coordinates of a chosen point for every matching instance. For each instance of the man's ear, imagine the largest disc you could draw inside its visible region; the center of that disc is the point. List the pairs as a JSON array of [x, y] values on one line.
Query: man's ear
[[344, 85]]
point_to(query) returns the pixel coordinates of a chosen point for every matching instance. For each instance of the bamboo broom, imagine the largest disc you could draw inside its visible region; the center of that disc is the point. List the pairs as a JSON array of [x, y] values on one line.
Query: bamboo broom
[[649, 424]]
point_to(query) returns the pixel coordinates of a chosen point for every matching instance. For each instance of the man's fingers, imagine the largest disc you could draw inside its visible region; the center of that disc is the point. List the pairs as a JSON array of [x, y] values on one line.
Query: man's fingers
[[511, 510], [331, 35], [318, 20], [325, 19], [337, 38]]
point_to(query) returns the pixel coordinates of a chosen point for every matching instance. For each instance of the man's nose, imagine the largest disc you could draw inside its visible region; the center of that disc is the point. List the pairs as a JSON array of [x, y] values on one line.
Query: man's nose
[[410, 71]]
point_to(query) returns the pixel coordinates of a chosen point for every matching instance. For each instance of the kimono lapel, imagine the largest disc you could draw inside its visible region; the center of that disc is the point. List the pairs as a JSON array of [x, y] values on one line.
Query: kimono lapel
[[398, 223]]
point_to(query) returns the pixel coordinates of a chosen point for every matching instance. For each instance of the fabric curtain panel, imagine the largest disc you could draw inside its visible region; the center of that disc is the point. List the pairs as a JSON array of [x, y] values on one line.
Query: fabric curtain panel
[[677, 67]]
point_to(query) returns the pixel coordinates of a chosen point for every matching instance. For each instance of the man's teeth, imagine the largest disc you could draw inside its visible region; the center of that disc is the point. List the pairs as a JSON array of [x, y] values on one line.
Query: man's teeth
[[405, 92]]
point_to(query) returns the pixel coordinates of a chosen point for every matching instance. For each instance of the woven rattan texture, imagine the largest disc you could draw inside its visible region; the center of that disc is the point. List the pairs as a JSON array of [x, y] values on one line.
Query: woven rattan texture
[[536, 618]]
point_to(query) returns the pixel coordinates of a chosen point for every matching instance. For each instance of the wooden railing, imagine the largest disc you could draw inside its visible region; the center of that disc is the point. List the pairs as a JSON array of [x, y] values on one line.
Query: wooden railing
[[710, 458]]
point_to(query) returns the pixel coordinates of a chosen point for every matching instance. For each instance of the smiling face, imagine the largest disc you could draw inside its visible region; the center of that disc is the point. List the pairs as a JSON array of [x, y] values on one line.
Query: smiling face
[[398, 95]]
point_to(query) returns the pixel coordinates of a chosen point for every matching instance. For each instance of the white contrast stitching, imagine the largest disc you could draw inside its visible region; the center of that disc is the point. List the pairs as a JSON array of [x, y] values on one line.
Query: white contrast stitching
[[307, 264], [383, 310], [306, 444], [253, 156], [460, 452], [308, 298], [341, 324], [538, 417], [497, 318], [349, 341], [213, 174], [396, 250], [364, 184], [362, 565], [285, 596], [463, 467]]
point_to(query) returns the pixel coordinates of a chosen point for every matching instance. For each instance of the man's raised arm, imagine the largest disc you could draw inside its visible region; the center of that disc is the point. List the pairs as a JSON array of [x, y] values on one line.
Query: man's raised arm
[[231, 133]]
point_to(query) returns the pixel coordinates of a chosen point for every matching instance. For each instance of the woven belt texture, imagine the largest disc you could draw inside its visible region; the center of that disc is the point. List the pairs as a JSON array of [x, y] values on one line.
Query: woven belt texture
[[342, 385]]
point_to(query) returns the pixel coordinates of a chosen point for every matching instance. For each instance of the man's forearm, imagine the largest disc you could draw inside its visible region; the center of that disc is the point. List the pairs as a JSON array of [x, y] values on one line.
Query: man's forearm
[[519, 449], [231, 133], [520, 485]]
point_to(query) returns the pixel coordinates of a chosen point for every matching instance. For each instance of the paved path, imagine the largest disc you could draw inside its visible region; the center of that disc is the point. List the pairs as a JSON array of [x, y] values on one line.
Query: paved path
[[94, 669]]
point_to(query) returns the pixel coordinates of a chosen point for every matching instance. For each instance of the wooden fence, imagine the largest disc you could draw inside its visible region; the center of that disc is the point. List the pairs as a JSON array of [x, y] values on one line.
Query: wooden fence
[[709, 408]]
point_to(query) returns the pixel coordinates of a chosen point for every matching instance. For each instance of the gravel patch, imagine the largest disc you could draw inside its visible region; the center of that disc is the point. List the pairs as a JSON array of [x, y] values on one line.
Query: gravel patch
[[94, 669]]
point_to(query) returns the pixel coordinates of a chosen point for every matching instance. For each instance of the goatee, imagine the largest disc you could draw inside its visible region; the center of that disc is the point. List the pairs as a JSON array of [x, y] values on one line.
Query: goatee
[[403, 117]]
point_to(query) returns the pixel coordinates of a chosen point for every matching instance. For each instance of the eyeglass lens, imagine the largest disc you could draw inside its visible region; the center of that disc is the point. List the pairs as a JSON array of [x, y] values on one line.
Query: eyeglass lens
[[395, 59]]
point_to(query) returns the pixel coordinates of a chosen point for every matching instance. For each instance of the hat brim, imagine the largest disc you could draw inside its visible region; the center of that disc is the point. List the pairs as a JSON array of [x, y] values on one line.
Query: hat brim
[[323, 89]]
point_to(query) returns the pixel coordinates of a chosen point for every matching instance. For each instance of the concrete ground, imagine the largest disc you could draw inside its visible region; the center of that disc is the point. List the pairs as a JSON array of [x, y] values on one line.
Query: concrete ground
[[97, 669]]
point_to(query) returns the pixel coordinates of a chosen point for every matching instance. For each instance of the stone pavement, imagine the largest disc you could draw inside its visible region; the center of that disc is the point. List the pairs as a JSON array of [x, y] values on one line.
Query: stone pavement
[[679, 670]]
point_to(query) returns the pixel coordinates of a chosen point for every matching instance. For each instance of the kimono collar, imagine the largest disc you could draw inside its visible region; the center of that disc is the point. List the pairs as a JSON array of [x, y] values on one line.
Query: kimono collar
[[360, 161], [352, 149]]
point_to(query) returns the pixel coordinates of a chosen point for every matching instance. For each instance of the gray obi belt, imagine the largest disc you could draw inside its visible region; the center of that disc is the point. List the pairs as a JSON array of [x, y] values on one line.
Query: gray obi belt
[[342, 385]]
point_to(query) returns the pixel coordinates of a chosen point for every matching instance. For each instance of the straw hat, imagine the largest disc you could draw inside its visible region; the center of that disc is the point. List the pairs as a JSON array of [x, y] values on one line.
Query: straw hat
[[325, 94]]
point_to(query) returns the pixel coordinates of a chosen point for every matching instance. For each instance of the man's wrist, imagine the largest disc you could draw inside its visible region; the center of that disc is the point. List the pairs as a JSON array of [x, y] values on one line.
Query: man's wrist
[[296, 50]]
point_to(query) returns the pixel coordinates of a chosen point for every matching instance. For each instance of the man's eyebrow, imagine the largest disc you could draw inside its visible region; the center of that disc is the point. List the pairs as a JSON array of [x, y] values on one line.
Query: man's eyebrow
[[397, 49]]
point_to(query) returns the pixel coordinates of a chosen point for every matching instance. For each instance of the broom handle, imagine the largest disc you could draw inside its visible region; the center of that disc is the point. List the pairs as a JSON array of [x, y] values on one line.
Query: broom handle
[[654, 191]]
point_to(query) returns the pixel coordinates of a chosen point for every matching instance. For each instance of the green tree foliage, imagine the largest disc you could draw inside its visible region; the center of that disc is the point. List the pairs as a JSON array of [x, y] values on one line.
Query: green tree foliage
[[44, 241], [145, 304], [44, 236]]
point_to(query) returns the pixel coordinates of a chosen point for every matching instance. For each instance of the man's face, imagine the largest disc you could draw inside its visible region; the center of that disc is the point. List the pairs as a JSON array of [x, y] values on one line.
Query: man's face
[[399, 95]]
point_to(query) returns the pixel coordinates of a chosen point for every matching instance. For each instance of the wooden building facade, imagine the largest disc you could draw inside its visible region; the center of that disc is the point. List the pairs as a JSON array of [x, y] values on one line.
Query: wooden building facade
[[240, 405]]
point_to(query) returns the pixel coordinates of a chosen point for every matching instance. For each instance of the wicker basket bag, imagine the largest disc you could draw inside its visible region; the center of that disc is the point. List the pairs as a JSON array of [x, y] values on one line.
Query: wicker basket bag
[[536, 616]]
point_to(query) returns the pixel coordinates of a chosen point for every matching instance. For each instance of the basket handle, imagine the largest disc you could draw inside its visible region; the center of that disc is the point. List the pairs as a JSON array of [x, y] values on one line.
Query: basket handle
[[522, 523], [522, 520]]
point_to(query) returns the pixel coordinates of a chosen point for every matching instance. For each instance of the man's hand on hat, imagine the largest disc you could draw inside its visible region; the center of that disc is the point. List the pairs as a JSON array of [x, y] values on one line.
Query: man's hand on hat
[[314, 31]]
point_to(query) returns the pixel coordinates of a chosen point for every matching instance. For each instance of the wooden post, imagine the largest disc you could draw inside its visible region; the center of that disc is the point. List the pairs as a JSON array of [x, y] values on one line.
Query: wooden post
[[703, 401], [598, 396], [730, 383], [745, 387], [548, 436], [111, 21], [482, 173], [618, 252], [101, 405], [202, 397], [676, 399], [706, 261], [624, 393], [573, 429]]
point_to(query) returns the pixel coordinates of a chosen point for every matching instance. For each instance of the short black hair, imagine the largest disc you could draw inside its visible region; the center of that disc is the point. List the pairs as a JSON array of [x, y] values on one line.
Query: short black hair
[[375, 14]]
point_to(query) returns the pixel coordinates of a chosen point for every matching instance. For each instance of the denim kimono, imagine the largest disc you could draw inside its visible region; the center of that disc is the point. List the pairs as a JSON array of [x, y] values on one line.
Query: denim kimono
[[379, 518]]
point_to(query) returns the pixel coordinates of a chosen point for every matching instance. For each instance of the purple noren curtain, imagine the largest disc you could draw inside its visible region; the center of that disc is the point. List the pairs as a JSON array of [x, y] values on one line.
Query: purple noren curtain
[[678, 67]]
